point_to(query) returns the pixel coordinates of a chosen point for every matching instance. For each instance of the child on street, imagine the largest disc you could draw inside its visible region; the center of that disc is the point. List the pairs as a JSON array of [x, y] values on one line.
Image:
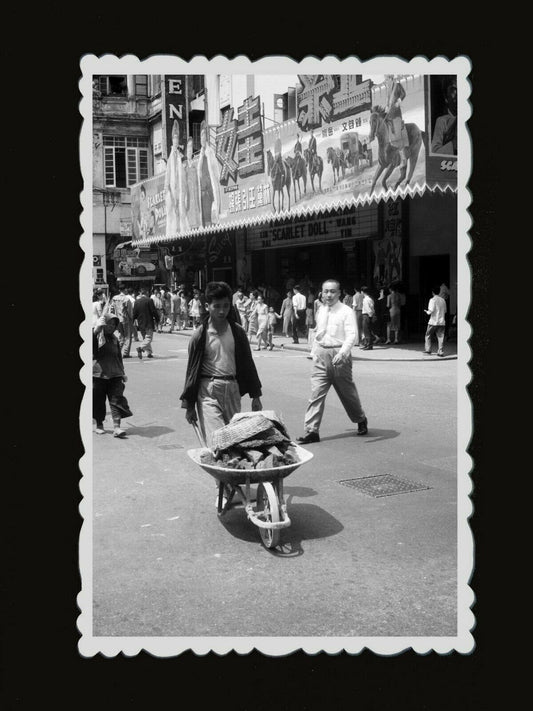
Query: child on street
[[220, 368], [272, 319], [108, 375]]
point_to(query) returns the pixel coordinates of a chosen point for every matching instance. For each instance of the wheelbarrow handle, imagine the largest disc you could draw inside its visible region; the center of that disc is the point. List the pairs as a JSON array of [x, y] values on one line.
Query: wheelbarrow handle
[[198, 434]]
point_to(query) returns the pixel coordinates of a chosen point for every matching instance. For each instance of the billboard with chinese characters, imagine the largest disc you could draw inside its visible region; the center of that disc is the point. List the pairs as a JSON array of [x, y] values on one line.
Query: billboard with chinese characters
[[353, 139]]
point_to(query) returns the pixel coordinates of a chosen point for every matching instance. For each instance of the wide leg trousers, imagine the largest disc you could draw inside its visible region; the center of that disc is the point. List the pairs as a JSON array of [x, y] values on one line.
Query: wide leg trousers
[[324, 375]]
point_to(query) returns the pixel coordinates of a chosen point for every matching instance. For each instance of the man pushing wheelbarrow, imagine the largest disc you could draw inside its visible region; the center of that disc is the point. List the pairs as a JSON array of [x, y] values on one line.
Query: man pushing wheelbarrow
[[220, 368]]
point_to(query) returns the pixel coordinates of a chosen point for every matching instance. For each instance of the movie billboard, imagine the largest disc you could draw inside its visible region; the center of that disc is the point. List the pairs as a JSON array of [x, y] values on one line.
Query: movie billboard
[[352, 139]]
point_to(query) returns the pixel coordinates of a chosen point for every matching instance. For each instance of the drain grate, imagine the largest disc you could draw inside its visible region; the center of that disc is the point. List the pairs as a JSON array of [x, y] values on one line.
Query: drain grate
[[170, 446], [383, 485]]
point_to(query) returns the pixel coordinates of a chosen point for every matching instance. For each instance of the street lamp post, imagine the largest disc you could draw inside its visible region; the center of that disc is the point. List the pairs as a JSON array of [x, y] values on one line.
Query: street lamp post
[[109, 197]]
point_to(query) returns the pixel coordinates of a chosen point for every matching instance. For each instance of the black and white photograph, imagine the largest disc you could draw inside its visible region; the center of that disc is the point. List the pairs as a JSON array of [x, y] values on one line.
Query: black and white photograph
[[275, 355]]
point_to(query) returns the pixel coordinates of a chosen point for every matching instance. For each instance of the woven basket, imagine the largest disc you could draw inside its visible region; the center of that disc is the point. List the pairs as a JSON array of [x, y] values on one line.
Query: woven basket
[[243, 429], [269, 414]]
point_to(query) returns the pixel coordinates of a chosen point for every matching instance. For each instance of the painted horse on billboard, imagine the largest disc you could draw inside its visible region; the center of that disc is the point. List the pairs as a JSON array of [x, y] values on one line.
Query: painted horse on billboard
[[338, 163], [389, 156], [299, 172], [315, 165], [280, 174]]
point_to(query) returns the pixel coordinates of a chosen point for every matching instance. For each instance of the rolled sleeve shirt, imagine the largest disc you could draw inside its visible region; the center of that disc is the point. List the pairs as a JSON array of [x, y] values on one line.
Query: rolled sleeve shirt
[[336, 327], [368, 306], [437, 311], [299, 302]]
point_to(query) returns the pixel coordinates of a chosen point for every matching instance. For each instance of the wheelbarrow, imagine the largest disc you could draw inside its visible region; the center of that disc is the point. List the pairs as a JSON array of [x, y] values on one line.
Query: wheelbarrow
[[270, 513]]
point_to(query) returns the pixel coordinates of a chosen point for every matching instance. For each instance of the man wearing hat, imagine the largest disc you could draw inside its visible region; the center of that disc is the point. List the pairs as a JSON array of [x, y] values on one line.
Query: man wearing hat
[[174, 188], [208, 179]]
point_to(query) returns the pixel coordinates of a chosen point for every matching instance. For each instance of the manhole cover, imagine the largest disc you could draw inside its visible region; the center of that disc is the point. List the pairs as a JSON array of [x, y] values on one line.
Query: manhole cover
[[170, 446], [383, 485]]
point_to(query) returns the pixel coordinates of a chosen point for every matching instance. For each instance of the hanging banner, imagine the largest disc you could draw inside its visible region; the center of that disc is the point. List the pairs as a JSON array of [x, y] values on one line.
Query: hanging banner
[[173, 108], [148, 210], [353, 139], [441, 128]]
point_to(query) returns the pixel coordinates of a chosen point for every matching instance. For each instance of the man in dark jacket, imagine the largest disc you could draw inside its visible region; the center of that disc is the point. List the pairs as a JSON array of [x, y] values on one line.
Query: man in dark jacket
[[145, 313], [220, 368]]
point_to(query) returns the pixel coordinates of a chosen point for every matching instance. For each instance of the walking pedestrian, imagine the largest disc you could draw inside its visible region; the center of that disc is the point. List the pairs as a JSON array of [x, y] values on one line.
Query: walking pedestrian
[[220, 367], [444, 293], [145, 313], [394, 302], [357, 305], [122, 307], [332, 364], [196, 308], [310, 313], [99, 300], [368, 316], [242, 304], [299, 303], [158, 303], [184, 311], [174, 311], [272, 320], [261, 310], [382, 316], [134, 331], [109, 377], [436, 311], [252, 315], [287, 313]]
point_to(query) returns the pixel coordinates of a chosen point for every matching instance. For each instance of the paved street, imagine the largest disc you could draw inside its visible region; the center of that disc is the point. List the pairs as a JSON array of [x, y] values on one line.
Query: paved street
[[350, 565]]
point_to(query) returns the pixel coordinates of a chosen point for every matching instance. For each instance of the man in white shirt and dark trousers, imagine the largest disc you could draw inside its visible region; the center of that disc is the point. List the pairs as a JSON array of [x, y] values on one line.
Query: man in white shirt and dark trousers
[[332, 363], [368, 314], [436, 311], [299, 303]]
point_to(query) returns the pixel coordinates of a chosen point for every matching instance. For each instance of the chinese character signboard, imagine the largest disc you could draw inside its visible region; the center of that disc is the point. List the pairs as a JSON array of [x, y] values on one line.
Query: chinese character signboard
[[354, 139]]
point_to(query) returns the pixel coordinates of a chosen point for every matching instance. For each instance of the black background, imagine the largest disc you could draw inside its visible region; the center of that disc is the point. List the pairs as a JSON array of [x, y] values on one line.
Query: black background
[[41, 664]]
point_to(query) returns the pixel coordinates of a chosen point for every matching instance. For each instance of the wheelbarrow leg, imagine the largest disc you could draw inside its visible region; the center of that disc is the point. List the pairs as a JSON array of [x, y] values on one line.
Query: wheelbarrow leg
[[225, 497]]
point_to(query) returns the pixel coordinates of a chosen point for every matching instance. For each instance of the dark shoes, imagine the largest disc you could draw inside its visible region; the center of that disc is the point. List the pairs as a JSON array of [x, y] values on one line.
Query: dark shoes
[[362, 427], [367, 348], [426, 352], [150, 355], [309, 438], [140, 353]]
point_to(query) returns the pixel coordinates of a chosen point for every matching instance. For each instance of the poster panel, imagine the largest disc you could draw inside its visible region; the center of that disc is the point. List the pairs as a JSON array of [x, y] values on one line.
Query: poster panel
[[148, 210], [441, 114], [355, 138]]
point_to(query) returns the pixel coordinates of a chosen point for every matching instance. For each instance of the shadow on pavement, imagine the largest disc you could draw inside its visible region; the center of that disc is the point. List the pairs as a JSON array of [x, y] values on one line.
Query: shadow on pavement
[[307, 522], [299, 491], [152, 431], [374, 435]]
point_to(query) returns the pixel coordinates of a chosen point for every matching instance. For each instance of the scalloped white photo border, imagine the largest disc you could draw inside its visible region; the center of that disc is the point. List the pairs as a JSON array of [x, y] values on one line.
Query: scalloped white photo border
[[464, 643]]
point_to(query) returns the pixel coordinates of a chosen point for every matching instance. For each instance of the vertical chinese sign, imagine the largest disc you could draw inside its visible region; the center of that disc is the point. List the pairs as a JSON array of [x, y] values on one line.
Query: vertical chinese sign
[[174, 109]]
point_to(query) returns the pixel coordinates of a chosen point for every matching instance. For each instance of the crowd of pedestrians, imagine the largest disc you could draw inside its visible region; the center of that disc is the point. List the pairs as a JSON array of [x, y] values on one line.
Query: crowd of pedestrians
[[332, 320]]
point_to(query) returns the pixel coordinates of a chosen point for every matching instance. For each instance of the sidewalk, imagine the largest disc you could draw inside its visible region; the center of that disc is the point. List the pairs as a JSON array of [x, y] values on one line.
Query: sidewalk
[[402, 352]]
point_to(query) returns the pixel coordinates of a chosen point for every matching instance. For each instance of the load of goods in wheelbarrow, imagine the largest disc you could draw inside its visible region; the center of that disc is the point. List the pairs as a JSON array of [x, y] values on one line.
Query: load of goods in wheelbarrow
[[251, 440]]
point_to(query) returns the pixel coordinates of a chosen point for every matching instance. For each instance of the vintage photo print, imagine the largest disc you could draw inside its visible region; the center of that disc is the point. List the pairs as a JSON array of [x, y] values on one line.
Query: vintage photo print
[[275, 356]]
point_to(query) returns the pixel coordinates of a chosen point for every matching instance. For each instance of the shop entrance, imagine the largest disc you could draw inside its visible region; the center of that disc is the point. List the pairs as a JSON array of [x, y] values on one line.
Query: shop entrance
[[432, 271], [314, 262]]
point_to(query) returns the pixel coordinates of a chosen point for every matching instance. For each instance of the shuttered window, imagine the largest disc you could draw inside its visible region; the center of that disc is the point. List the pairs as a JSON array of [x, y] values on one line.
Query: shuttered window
[[125, 160]]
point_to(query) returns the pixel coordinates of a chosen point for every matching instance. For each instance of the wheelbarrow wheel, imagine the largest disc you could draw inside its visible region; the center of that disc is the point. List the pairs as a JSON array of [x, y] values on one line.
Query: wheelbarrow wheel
[[267, 502]]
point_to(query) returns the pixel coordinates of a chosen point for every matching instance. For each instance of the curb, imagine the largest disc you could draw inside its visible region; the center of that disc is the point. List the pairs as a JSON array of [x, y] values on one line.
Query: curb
[[416, 356]]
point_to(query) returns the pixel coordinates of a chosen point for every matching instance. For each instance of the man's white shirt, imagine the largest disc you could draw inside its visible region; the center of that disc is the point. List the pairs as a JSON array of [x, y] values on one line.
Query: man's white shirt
[[336, 327]]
